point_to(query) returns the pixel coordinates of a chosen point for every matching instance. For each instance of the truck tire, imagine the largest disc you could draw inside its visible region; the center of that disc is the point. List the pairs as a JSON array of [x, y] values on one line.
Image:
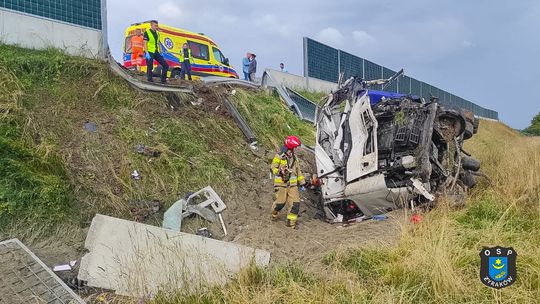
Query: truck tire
[[469, 163], [468, 179], [476, 124], [469, 130]]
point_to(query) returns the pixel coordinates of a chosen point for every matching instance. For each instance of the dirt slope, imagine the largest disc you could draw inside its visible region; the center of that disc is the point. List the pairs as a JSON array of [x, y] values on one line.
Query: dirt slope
[[77, 113]]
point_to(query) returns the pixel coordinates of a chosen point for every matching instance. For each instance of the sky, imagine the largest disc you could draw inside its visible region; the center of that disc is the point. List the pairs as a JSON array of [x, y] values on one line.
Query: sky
[[486, 51]]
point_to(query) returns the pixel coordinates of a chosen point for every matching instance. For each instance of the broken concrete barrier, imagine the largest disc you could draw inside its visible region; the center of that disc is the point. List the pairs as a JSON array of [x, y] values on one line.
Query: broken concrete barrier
[[135, 259]]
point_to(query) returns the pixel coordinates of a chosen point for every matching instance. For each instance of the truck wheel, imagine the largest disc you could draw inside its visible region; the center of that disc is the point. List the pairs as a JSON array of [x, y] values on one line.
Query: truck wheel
[[476, 124], [469, 129]]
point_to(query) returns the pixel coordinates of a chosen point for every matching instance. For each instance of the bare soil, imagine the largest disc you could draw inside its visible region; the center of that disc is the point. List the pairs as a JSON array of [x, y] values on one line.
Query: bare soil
[[247, 216], [249, 223]]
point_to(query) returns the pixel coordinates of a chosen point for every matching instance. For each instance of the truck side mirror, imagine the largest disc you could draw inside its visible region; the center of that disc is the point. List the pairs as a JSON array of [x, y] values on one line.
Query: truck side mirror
[[226, 61]]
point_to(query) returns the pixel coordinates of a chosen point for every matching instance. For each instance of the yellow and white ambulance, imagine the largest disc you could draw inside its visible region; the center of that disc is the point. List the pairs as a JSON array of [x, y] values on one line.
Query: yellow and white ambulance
[[208, 60]]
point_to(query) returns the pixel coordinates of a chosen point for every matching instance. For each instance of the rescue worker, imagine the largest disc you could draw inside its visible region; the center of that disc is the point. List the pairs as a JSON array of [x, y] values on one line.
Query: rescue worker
[[288, 180], [152, 50], [187, 59], [137, 49]]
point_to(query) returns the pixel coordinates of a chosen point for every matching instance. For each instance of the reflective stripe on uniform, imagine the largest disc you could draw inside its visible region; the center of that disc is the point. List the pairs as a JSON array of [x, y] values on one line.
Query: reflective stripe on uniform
[[292, 216], [278, 179], [293, 179], [276, 160], [301, 178], [275, 171], [283, 162]]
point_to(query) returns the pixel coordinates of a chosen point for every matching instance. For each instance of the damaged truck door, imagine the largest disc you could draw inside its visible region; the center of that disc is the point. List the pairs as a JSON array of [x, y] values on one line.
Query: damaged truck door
[[373, 157]]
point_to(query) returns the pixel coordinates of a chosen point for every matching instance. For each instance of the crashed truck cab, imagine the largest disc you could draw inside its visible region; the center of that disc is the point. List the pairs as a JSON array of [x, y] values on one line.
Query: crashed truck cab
[[377, 152]]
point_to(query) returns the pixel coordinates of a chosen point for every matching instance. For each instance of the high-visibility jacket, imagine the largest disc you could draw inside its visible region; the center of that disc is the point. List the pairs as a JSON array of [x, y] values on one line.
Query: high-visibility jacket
[[152, 44], [137, 43], [286, 170], [182, 55]]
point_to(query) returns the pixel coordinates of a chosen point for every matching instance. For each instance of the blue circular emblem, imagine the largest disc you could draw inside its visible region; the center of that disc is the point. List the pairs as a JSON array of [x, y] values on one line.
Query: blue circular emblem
[[168, 43]]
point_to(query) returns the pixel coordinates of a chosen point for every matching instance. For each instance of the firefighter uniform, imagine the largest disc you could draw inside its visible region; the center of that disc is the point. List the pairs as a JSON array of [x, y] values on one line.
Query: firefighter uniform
[[287, 178]]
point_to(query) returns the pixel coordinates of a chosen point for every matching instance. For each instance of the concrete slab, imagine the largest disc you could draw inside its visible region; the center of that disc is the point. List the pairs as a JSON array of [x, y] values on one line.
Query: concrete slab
[[24, 278], [136, 259]]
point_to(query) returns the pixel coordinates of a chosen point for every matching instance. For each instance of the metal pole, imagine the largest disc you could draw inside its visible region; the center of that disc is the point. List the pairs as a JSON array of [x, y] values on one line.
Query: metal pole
[[306, 63], [338, 63], [104, 31]]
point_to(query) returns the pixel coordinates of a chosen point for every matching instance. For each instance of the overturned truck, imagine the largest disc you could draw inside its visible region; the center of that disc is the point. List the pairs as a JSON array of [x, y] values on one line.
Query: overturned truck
[[375, 155]]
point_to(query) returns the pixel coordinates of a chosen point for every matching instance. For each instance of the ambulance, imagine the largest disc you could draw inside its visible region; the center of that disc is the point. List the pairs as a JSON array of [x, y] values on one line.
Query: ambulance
[[208, 60]]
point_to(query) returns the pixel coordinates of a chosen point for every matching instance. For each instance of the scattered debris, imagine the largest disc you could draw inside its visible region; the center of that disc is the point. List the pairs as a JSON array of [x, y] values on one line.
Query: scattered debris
[[142, 149], [24, 278], [65, 267], [136, 175], [198, 102], [416, 218], [380, 217], [204, 232], [172, 219], [142, 210], [90, 127], [136, 259]]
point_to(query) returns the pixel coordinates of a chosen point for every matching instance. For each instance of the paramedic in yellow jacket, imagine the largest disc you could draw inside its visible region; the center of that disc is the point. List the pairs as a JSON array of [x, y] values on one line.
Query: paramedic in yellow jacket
[[288, 180]]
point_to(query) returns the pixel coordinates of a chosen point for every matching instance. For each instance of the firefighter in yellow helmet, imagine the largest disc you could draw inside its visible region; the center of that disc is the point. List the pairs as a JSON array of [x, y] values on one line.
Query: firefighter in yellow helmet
[[288, 181]]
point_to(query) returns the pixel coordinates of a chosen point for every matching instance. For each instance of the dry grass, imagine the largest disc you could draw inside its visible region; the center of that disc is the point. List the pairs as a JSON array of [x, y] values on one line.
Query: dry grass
[[434, 262]]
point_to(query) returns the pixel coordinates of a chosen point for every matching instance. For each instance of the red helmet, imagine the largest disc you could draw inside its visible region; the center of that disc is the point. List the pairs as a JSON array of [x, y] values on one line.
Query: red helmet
[[292, 142]]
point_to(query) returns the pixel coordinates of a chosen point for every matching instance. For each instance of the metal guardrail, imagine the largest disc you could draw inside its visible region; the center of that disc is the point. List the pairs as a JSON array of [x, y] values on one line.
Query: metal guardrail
[[238, 118], [215, 80], [301, 106], [241, 122], [147, 86]]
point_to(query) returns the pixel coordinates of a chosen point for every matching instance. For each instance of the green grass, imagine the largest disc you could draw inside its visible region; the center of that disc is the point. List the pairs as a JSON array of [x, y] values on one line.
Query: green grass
[[54, 170], [271, 120], [436, 261], [316, 97]]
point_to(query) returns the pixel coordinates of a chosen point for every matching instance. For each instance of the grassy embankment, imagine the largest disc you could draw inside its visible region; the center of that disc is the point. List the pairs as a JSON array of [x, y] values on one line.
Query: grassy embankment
[[436, 261], [54, 174]]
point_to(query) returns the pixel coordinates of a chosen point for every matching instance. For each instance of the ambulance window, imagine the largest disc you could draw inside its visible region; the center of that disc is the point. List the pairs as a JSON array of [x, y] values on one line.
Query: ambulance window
[[199, 50], [218, 55], [127, 45]]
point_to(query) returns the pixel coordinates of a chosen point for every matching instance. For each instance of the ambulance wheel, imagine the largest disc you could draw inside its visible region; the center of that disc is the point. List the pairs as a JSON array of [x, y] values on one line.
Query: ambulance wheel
[[175, 73]]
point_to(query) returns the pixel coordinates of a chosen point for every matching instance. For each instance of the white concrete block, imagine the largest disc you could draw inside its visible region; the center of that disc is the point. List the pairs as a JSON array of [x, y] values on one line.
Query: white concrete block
[[296, 82], [40, 33], [136, 259]]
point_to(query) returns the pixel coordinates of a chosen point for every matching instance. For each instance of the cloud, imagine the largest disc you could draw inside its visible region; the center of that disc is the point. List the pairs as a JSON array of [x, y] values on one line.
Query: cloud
[[362, 38], [169, 10], [270, 24], [331, 36]]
